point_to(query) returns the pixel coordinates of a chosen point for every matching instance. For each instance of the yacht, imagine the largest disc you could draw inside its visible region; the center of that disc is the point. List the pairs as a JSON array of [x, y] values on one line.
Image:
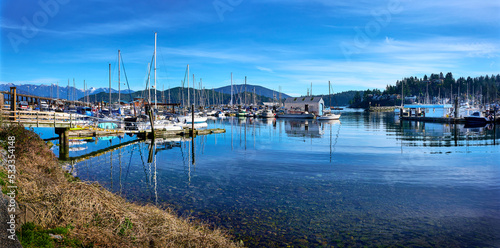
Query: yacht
[[477, 118], [188, 119], [267, 114]]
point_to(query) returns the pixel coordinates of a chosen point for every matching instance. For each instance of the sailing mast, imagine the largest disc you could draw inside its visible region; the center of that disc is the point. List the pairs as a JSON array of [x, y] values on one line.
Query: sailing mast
[[231, 90], [109, 88], [329, 95], [194, 93], [155, 70], [402, 95], [254, 103], [149, 84], [188, 102], [119, 78]]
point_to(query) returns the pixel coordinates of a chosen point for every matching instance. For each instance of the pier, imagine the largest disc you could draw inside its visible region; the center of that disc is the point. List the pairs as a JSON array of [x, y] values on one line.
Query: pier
[[13, 98], [381, 109], [68, 126]]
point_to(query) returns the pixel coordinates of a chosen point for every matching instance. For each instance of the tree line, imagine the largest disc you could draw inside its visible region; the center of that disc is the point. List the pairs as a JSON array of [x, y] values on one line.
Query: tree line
[[482, 88]]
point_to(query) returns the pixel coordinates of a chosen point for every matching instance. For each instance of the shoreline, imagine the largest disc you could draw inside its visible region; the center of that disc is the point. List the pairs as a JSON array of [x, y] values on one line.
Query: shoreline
[[86, 214]]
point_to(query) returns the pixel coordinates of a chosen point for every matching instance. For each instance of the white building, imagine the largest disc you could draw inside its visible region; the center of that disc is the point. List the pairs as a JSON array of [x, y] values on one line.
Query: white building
[[310, 104], [430, 110]]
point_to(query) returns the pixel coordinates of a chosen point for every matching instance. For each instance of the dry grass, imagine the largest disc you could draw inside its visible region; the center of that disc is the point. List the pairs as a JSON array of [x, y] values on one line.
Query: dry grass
[[99, 217]]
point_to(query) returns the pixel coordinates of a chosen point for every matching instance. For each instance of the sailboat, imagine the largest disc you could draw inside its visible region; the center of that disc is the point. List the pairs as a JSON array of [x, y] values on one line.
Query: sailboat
[[329, 115], [188, 118], [144, 123]]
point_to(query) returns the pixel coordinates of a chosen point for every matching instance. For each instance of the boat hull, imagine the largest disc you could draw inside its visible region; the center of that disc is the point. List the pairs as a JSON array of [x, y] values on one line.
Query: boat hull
[[296, 116]]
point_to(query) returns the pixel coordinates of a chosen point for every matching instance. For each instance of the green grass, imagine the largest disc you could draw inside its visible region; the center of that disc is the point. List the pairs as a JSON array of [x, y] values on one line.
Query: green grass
[[125, 226], [70, 177], [32, 235], [3, 182]]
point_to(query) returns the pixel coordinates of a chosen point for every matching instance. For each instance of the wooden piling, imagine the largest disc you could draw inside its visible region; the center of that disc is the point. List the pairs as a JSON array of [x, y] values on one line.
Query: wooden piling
[[192, 133], [150, 113], [13, 102]]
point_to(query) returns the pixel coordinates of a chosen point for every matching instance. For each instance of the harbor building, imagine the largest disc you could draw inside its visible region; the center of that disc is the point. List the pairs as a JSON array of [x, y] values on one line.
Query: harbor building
[[314, 105]]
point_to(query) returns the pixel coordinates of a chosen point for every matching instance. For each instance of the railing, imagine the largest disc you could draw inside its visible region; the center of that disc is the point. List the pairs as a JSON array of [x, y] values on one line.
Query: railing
[[41, 118]]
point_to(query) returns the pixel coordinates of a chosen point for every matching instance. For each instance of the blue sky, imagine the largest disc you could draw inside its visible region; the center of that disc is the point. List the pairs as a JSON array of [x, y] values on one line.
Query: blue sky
[[275, 43]]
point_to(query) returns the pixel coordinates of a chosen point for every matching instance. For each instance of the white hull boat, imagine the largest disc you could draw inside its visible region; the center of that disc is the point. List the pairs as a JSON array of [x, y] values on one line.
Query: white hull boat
[[188, 119], [328, 116]]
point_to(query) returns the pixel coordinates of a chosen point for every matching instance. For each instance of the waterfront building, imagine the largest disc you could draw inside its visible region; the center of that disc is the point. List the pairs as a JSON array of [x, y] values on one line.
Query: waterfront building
[[314, 105]]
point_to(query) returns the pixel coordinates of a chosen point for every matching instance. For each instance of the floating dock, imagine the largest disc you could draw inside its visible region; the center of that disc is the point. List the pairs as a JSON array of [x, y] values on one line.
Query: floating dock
[[434, 119]]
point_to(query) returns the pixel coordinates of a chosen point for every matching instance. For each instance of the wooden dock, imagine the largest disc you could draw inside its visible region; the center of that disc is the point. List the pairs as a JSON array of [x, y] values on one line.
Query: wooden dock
[[381, 109], [67, 126], [40, 118], [434, 119]]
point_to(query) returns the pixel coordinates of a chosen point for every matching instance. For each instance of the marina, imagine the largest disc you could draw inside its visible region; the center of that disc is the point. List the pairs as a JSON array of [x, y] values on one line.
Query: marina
[[250, 124], [293, 182]]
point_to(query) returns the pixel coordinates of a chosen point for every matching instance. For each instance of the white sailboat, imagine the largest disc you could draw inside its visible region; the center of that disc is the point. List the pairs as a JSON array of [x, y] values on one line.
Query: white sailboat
[[329, 115]]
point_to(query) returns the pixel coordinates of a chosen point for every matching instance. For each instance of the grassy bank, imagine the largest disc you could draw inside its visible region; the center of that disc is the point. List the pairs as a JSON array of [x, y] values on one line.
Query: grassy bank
[[59, 210]]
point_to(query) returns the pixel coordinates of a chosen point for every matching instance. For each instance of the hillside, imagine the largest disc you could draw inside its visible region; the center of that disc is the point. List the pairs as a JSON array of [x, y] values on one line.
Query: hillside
[[178, 95], [259, 90]]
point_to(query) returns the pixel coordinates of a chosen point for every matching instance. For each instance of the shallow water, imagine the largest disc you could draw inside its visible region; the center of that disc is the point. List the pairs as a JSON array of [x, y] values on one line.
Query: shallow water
[[366, 180]]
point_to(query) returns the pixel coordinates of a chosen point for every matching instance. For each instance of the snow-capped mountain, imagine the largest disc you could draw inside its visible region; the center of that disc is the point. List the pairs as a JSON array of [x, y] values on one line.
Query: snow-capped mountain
[[62, 92]]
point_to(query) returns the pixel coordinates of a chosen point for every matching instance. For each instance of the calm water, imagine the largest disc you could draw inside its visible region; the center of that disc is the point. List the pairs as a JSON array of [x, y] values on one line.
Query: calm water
[[367, 180]]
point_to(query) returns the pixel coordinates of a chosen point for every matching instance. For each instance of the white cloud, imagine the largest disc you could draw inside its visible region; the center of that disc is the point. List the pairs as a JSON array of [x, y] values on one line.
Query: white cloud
[[260, 68]]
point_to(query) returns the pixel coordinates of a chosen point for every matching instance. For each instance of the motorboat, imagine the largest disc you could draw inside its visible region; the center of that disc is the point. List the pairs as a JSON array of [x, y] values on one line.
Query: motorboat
[[164, 125], [242, 113], [188, 119], [267, 114], [329, 116], [477, 118], [220, 114]]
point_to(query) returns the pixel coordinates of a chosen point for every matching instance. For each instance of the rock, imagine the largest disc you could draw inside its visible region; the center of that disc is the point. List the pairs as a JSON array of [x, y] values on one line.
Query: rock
[[55, 236]]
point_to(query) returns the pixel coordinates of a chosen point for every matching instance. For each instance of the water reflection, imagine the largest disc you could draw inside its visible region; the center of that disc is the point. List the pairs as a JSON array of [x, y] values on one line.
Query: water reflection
[[367, 180], [303, 128]]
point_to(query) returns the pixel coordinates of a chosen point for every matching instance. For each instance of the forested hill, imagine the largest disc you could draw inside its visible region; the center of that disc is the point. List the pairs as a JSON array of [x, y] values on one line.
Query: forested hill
[[482, 88]]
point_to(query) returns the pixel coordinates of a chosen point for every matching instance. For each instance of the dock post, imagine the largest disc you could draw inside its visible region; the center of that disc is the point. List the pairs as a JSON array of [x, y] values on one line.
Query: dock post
[[13, 102], [37, 119], [1, 102], [150, 113], [456, 110], [54, 119], [63, 142], [70, 120], [192, 133]]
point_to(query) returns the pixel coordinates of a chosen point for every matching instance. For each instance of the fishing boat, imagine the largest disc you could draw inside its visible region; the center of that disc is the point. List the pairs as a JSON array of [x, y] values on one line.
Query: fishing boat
[[477, 118]]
